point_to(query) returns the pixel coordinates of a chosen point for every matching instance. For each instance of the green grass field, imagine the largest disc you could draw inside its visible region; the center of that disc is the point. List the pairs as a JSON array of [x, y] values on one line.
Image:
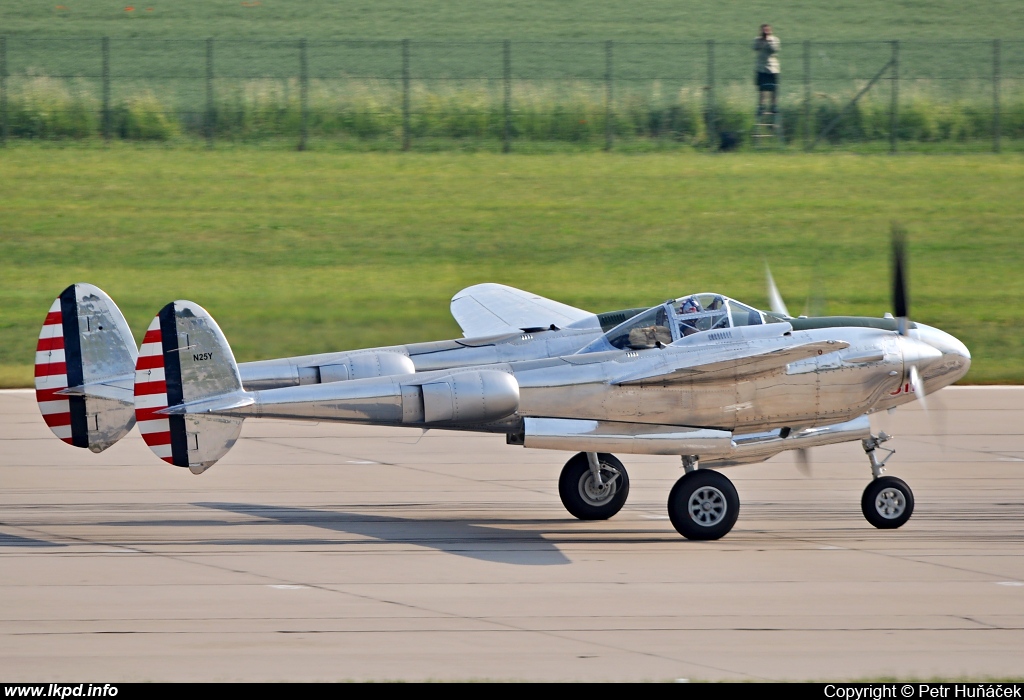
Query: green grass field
[[564, 19], [307, 252]]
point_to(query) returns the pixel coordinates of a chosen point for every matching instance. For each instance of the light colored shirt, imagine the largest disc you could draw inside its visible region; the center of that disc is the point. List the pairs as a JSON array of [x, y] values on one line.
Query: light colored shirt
[[767, 54]]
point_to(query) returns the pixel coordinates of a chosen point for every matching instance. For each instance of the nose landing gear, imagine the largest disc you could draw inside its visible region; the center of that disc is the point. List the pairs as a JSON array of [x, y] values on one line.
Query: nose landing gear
[[887, 502]]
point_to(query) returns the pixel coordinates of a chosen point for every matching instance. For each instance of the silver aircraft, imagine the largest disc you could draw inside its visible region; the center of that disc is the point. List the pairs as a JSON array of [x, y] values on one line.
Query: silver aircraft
[[702, 377]]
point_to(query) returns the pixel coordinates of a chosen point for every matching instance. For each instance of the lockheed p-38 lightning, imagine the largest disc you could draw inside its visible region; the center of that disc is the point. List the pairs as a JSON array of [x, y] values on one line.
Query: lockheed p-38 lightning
[[702, 377]]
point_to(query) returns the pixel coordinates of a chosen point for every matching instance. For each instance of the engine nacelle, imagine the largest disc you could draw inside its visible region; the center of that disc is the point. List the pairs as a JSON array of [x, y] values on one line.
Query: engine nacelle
[[478, 396], [323, 369], [466, 398], [364, 365]]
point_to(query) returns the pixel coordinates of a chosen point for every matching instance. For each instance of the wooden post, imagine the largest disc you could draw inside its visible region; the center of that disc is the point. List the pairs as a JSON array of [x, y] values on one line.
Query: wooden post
[[609, 95], [807, 95], [406, 135], [894, 107], [303, 93], [996, 107], [105, 48], [506, 133], [211, 114], [710, 118], [3, 91]]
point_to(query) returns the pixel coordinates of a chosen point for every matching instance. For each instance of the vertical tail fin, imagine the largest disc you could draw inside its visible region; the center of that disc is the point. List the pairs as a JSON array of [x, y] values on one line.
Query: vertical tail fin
[[85, 359], [185, 370]]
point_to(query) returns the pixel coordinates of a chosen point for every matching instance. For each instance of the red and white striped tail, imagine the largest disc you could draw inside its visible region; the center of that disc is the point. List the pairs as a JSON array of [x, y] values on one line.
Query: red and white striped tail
[[151, 393], [185, 360], [85, 359], [51, 375]]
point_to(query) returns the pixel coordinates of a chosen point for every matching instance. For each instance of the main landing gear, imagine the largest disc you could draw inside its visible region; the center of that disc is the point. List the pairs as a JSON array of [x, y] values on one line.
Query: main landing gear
[[703, 504], [593, 486], [887, 502]]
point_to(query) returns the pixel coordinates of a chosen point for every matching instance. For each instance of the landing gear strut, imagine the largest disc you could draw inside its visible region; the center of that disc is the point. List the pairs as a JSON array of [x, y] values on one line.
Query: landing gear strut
[[887, 502], [593, 486]]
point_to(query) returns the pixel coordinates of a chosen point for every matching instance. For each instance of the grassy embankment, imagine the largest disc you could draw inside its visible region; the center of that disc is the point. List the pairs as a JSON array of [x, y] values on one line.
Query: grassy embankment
[[296, 253], [361, 115]]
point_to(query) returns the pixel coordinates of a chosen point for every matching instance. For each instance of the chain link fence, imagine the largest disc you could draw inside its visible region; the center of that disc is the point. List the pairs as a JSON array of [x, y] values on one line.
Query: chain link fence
[[938, 95]]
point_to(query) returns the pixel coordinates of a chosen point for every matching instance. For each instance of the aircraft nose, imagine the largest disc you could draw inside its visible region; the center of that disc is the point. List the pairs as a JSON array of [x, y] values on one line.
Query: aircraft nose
[[955, 358]]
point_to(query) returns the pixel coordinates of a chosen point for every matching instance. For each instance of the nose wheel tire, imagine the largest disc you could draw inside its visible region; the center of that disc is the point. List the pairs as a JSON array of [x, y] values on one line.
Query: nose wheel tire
[[586, 499], [703, 505], [887, 502]]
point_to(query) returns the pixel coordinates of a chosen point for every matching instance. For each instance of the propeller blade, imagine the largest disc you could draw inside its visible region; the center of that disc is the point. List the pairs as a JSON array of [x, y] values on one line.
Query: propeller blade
[[775, 301], [816, 305], [900, 297], [937, 417], [803, 461], [918, 387]]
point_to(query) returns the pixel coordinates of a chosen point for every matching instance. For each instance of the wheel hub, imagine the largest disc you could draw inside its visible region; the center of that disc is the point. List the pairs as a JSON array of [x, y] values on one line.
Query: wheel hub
[[890, 503], [707, 506], [597, 494]]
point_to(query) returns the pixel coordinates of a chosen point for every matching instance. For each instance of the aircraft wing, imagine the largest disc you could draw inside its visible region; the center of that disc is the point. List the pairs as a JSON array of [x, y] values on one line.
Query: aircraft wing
[[492, 309], [686, 370]]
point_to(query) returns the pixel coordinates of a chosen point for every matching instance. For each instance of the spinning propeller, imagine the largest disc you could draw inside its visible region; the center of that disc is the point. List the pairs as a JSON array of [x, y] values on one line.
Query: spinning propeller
[[901, 310], [901, 303], [774, 298]]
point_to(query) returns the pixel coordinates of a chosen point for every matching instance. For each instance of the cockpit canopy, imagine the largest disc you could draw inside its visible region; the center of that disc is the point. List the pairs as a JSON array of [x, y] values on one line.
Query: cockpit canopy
[[676, 319]]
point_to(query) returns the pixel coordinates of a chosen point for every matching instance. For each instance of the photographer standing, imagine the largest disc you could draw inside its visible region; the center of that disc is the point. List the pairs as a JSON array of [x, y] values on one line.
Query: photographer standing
[[766, 77]]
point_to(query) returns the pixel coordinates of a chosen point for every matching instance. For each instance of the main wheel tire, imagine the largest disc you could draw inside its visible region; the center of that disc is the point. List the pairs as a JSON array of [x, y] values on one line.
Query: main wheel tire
[[703, 505], [887, 502], [581, 495]]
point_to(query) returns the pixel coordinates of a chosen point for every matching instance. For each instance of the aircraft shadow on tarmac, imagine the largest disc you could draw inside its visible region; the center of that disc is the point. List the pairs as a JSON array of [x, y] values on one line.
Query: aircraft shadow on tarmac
[[522, 547], [17, 541]]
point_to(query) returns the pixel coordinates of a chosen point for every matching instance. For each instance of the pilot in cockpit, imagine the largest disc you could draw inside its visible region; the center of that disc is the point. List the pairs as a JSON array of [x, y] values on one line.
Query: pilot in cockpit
[[689, 306]]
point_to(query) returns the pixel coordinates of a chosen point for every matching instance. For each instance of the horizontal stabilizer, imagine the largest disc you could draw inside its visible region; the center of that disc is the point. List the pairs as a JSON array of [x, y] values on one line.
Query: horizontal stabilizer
[[493, 309], [215, 404], [120, 389], [85, 360], [688, 368]]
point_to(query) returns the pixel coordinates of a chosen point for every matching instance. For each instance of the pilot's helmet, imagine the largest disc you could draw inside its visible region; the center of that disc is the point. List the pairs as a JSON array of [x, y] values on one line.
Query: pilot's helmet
[[689, 306]]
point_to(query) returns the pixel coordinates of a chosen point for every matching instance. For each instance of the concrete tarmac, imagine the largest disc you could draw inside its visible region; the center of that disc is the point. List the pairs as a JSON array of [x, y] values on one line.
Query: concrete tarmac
[[320, 552]]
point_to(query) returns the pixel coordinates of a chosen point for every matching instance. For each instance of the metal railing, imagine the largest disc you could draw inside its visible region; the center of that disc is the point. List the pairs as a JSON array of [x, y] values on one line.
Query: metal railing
[[882, 95]]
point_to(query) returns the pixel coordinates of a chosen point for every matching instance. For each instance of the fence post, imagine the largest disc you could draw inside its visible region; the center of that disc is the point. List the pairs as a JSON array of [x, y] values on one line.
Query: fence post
[[105, 44], [303, 93], [710, 124], [3, 91], [996, 76], [506, 135], [608, 96], [406, 136], [211, 114], [807, 95], [894, 108]]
